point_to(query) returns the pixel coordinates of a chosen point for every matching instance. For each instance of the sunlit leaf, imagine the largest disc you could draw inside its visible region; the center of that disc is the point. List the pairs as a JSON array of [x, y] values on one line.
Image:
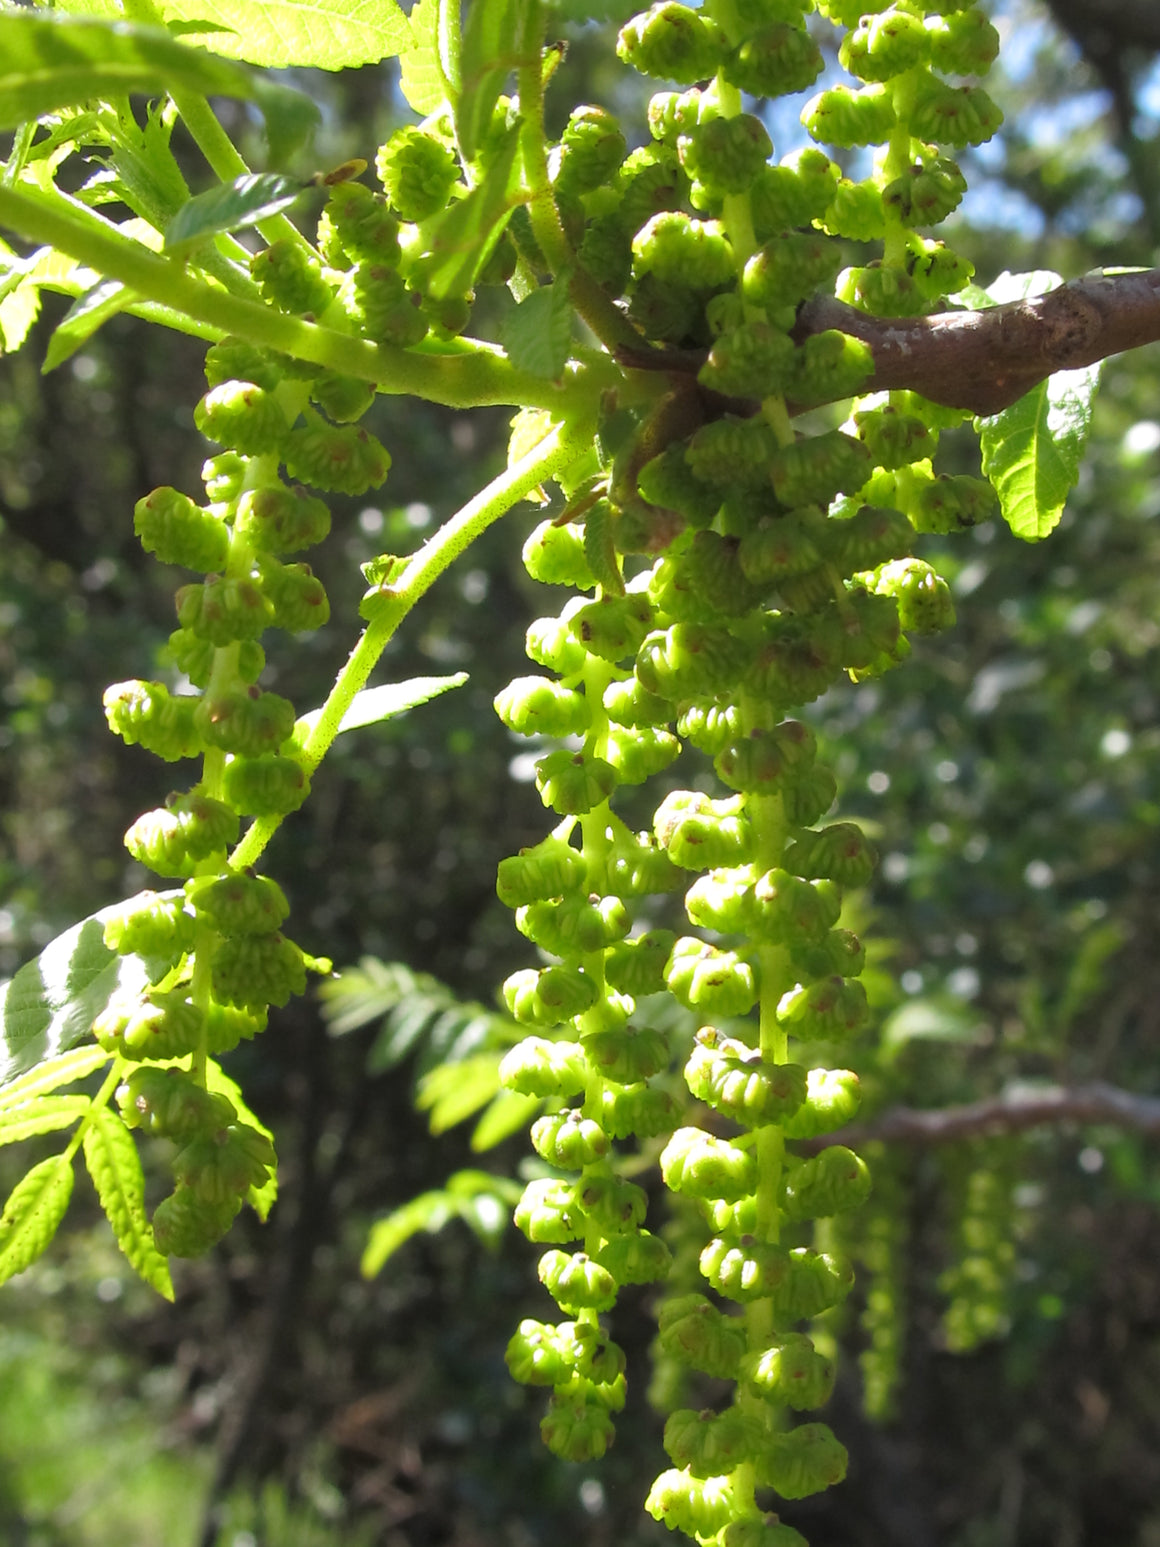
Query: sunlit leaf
[[461, 239], [41, 1114], [491, 39], [35, 1207], [115, 1167], [505, 1115], [231, 207], [65, 1069], [430, 1211], [453, 1092], [538, 332], [422, 80], [383, 703], [87, 313]]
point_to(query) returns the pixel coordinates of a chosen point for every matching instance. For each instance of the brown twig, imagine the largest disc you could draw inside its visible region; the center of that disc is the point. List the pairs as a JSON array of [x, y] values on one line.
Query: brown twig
[[1094, 1103]]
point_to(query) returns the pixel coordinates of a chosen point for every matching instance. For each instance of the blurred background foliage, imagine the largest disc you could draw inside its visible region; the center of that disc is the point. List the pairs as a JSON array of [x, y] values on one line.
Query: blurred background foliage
[[1001, 1367]]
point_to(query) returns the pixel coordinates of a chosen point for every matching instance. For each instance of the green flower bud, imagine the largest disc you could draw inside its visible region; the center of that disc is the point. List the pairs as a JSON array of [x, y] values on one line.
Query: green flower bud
[[243, 416], [698, 1507], [750, 360], [700, 833], [713, 982], [223, 610], [884, 292], [732, 454], [195, 657], [223, 475], [551, 643], [537, 1355], [839, 853], [573, 782], [721, 900], [171, 526], [291, 279], [342, 398], [953, 502], [185, 1225], [639, 1258], [856, 212], [591, 149], [550, 869], [278, 520], [775, 62], [156, 1026], [746, 1269], [650, 180], [833, 1009], [537, 1067], [418, 172], [613, 627], [789, 268], [883, 46], [363, 224], [709, 1444], [269, 785], [923, 597], [733, 1219], [847, 118], [802, 1461], [605, 251], [576, 1282], [768, 1531], [950, 115], [893, 438], [628, 703], [797, 659], [238, 904], [760, 762], [926, 194], [832, 1099], [794, 193], [672, 43], [226, 1026], [700, 1166], [689, 660], [171, 1104], [937, 271], [298, 596], [554, 555], [672, 113], [637, 755], [342, 459], [709, 726], [537, 706], [839, 952], [574, 926], [829, 366], [548, 998], [217, 1167], [869, 538], [575, 1429], [253, 971], [644, 1110], [547, 1212], [151, 925], [963, 44], [678, 250], [627, 1054], [725, 154], [786, 909], [790, 1372], [811, 472], [231, 359], [245, 721], [833, 1182], [665, 312], [610, 1203], [145, 714], [783, 546], [737, 1082], [700, 1336], [176, 838], [665, 482], [816, 1283], [569, 1139]]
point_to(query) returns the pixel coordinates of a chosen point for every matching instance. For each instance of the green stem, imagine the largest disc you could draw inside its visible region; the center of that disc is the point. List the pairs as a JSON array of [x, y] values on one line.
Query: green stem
[[99, 1101], [553, 453], [473, 380]]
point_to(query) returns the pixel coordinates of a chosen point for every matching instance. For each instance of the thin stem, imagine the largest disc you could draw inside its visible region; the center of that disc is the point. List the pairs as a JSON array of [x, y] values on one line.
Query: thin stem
[[101, 1099], [424, 568]]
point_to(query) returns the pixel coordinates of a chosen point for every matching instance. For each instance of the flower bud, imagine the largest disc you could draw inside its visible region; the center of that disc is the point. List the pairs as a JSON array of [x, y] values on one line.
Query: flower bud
[[721, 900], [709, 727], [591, 148], [223, 1165], [278, 520], [146, 714], [812, 471], [232, 359], [638, 754], [856, 212], [537, 1067], [644, 1110], [710, 981], [549, 869], [156, 1026], [761, 762], [963, 44], [637, 1258], [610, 1203], [627, 1054], [700, 1166], [171, 526], [241, 415], [238, 904], [342, 459], [833, 1182], [699, 833], [268, 785], [847, 118], [732, 454], [363, 224], [689, 660], [752, 359], [253, 971], [833, 1097], [725, 154], [709, 1444], [828, 366], [169, 1103], [628, 703], [794, 193], [547, 1212], [840, 951], [551, 643], [674, 249], [635, 867], [291, 278], [151, 925], [176, 838], [537, 1356], [418, 172], [665, 482], [614, 626], [737, 1082], [573, 782], [802, 1461], [838, 853], [790, 1372], [576, 1282], [775, 62], [768, 1531], [701, 1336], [554, 555], [886, 45], [949, 115], [537, 706], [672, 42], [224, 609], [569, 1140], [954, 502], [575, 1429], [789, 268], [245, 721], [699, 1508], [788, 910], [185, 1225]]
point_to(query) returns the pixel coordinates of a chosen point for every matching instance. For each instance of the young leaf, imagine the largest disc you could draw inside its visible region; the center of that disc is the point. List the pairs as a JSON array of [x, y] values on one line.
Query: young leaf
[[481, 1200], [115, 1167], [462, 238], [422, 80], [87, 313], [52, 1002], [430, 1211], [504, 1116], [1032, 450], [49, 61], [261, 1199], [40, 1115], [384, 702], [35, 1207], [231, 207], [537, 333], [451, 1093], [51, 1075], [491, 42]]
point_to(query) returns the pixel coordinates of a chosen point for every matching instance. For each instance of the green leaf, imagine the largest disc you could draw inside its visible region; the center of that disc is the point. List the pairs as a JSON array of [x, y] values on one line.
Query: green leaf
[[504, 1116], [933, 1019], [1032, 450], [461, 238], [66, 1069], [115, 1167], [326, 34], [430, 1211], [451, 1093], [35, 1207], [231, 207], [87, 313], [50, 61], [261, 1199], [422, 80], [52, 1002], [40, 1115], [538, 332], [490, 52], [383, 703]]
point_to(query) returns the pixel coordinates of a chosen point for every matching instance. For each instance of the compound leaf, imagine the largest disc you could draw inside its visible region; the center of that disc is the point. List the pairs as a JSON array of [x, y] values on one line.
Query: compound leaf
[[35, 1207], [40, 1115], [115, 1167]]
